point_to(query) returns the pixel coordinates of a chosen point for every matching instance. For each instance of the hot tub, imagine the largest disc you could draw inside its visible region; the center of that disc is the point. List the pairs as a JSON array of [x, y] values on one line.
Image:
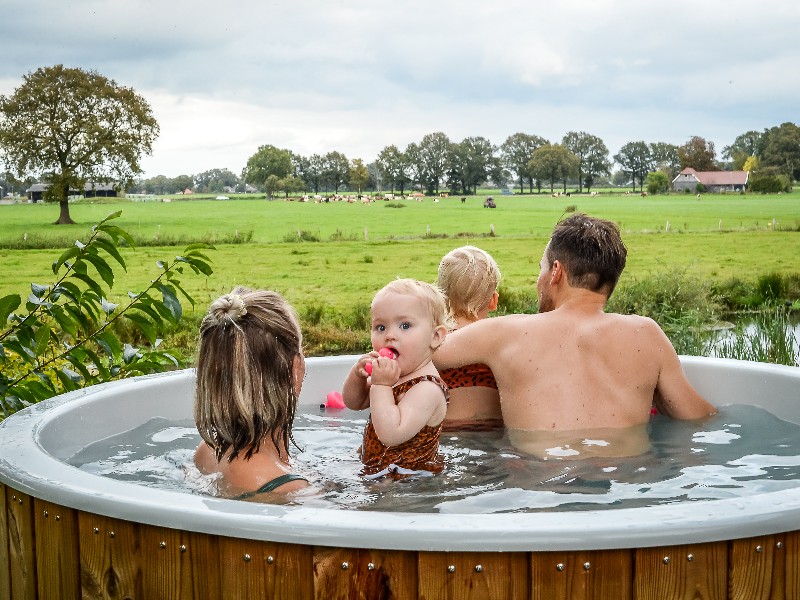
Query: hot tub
[[71, 534]]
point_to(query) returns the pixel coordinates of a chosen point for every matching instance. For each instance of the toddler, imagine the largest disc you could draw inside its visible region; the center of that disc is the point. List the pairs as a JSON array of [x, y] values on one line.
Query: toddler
[[469, 278], [406, 397]]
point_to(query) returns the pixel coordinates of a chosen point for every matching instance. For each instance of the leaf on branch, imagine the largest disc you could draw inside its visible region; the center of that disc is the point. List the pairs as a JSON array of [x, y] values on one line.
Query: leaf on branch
[[8, 304], [171, 301], [39, 290], [116, 233], [145, 326], [90, 282], [106, 272], [110, 344], [108, 307], [111, 249], [129, 353], [36, 301], [80, 245]]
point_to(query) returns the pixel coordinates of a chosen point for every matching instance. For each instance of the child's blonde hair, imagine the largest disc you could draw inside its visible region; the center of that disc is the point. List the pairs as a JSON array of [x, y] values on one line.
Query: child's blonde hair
[[469, 277], [245, 391], [431, 296]]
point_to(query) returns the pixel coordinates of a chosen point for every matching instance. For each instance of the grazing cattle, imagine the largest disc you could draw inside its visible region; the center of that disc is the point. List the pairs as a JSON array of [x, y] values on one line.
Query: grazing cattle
[[644, 194], [463, 200], [489, 203]]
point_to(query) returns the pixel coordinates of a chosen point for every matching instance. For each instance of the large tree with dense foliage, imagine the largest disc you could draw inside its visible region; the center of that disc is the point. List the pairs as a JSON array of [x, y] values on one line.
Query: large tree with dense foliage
[[395, 167], [743, 147], [781, 149], [335, 170], [592, 156], [215, 181], [516, 153], [554, 162], [636, 159], [698, 154], [431, 160], [665, 158], [71, 127], [471, 163], [268, 160], [358, 175]]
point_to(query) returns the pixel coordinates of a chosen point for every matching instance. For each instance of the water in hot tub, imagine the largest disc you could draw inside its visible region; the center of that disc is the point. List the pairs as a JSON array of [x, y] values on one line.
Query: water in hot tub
[[742, 451]]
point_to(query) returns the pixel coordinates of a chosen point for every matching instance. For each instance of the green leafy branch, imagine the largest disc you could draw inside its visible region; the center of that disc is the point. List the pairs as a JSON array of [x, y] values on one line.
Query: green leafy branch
[[64, 339]]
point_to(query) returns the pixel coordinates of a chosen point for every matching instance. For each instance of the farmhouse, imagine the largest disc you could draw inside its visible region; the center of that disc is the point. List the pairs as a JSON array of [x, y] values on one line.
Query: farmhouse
[[713, 181], [90, 190]]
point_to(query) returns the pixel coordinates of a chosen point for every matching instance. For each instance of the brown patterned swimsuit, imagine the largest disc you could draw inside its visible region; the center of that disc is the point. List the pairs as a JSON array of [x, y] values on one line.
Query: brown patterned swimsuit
[[420, 453], [474, 375]]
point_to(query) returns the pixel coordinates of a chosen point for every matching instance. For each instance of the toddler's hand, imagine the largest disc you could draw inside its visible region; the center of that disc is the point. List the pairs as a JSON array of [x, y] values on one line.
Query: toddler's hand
[[364, 364], [386, 371]]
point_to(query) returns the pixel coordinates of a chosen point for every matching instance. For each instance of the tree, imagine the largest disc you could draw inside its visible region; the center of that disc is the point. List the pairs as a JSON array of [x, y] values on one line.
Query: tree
[[395, 167], [697, 154], [636, 159], [592, 156], [291, 185], [72, 127], [516, 153], [358, 175], [471, 163], [657, 182], [215, 181], [431, 160], [272, 185], [665, 158], [268, 160], [744, 146], [782, 149], [335, 170], [553, 162]]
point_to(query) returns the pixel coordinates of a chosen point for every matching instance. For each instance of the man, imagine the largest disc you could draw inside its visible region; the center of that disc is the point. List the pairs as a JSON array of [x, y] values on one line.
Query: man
[[574, 366]]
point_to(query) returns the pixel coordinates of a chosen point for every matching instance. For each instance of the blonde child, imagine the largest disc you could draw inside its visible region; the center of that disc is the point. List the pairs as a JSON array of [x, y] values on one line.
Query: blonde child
[[250, 369], [469, 278], [405, 395]]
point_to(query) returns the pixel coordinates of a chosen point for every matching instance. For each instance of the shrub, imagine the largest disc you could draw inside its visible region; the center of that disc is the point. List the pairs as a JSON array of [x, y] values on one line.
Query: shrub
[[301, 236], [66, 335]]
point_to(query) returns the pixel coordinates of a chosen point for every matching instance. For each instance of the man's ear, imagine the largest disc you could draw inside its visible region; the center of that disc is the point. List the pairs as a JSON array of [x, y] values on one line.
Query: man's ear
[[556, 272], [438, 336], [493, 302]]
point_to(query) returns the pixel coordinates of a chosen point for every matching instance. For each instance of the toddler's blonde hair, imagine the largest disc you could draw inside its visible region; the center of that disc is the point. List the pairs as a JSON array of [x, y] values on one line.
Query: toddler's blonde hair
[[468, 276], [431, 296]]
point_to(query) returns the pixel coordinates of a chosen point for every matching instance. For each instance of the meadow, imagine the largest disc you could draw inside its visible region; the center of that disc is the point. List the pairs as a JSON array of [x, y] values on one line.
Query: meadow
[[337, 254]]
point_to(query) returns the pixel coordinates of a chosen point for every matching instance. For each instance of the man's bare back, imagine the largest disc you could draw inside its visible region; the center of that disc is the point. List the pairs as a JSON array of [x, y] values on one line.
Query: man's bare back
[[574, 366]]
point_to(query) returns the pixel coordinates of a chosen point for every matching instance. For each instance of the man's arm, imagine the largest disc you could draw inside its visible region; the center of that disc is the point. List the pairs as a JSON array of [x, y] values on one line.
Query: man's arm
[[475, 343], [674, 395]]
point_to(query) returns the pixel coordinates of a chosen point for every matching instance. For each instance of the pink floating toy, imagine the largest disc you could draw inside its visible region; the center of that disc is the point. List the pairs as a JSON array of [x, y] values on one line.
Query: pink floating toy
[[334, 400], [385, 353]]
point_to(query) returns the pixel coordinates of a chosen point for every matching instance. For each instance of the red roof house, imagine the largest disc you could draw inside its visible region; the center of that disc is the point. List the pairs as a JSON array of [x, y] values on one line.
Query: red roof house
[[713, 181]]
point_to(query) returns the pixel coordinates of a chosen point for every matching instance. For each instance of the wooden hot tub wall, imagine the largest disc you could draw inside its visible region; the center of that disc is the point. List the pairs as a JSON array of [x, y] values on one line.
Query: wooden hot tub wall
[[49, 551]]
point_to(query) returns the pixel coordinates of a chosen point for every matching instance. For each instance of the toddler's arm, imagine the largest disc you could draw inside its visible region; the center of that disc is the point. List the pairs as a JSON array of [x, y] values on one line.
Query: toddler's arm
[[355, 391]]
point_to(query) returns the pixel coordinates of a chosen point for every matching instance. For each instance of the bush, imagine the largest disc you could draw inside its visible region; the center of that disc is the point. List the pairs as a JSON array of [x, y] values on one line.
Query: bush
[[67, 334], [769, 184]]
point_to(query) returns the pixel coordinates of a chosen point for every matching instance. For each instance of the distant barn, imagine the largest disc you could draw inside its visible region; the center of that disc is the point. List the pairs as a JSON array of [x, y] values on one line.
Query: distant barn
[[713, 181], [99, 190]]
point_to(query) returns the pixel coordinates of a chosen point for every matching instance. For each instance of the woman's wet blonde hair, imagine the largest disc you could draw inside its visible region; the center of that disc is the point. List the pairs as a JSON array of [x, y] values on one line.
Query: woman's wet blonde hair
[[469, 277], [249, 340], [431, 296]]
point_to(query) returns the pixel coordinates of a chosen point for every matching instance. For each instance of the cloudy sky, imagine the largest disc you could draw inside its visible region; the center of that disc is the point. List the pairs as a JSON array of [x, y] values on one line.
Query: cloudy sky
[[224, 78]]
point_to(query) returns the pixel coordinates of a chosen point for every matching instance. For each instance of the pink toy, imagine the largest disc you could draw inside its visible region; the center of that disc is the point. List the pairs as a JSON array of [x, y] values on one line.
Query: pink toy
[[334, 400], [384, 352]]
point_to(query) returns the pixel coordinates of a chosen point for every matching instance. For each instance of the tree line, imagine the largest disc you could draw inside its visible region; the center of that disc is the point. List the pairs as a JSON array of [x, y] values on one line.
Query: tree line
[[531, 162], [67, 127]]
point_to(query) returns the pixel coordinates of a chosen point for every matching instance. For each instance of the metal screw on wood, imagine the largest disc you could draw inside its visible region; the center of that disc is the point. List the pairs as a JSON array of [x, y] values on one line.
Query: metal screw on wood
[[690, 557], [759, 549], [345, 566], [96, 530], [58, 517], [162, 544], [587, 565], [45, 514], [183, 548], [560, 567], [478, 568], [451, 569], [779, 545], [111, 534], [666, 560], [270, 560], [246, 558], [370, 566]]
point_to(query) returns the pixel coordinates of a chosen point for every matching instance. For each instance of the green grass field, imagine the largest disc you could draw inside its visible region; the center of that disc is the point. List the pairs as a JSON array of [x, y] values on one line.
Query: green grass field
[[717, 236]]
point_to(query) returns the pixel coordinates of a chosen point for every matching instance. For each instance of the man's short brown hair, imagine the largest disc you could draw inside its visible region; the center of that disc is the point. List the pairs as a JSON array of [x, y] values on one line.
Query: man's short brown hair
[[591, 251]]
